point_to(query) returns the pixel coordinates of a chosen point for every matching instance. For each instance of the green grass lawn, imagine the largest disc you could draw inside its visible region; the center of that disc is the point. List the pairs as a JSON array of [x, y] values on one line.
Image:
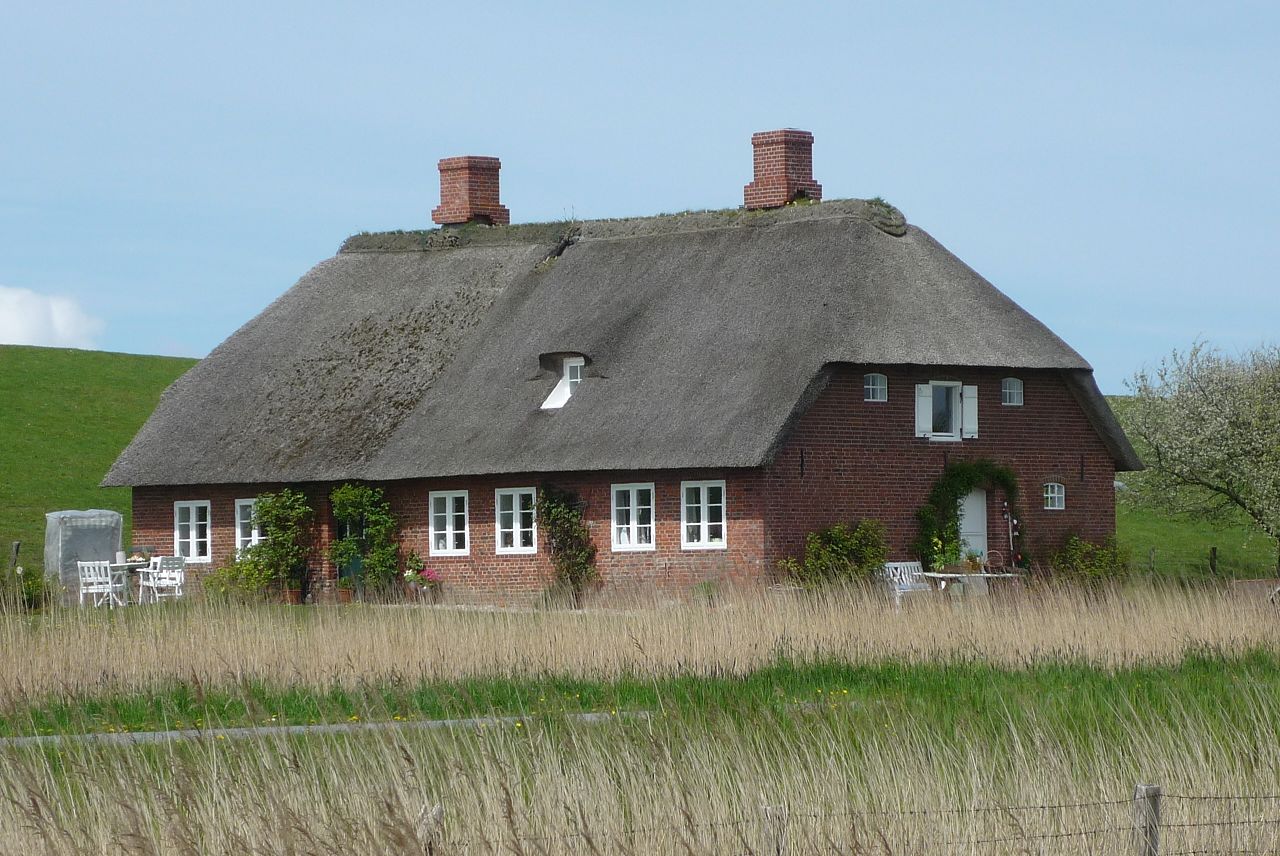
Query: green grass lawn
[[1181, 547], [64, 417], [968, 693]]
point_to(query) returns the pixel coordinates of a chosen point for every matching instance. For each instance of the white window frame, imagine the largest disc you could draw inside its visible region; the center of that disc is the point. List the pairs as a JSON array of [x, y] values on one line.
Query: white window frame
[[633, 526], [571, 372], [1055, 496], [255, 536], [875, 387], [515, 493], [964, 411], [191, 506], [703, 523], [450, 529], [1011, 392]]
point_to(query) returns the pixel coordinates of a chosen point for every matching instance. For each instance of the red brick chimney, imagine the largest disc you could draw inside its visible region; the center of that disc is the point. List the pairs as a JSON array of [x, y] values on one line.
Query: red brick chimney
[[784, 169], [469, 191]]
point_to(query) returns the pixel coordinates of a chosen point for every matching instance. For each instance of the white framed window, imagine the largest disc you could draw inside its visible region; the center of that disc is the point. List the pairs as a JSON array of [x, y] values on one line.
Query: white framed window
[[191, 530], [247, 533], [1011, 392], [875, 387], [946, 410], [632, 517], [1055, 496], [449, 532], [702, 515], [570, 376], [515, 512]]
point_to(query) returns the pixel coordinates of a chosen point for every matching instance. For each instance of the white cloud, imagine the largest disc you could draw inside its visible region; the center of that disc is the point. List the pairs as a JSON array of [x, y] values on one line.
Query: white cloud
[[30, 318]]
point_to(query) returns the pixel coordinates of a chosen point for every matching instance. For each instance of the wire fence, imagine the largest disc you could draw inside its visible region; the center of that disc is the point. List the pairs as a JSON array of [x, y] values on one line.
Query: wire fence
[[1151, 823]]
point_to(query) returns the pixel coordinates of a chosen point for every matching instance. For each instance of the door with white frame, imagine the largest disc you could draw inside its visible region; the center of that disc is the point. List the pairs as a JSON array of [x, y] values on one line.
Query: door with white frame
[[973, 523]]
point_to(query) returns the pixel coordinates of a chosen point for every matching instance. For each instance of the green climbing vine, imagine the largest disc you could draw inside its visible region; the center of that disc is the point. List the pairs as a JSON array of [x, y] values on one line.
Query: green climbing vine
[[573, 555], [938, 543], [369, 534]]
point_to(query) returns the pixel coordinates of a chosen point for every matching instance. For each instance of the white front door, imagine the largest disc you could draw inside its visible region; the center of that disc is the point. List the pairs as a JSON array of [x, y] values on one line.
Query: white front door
[[973, 523]]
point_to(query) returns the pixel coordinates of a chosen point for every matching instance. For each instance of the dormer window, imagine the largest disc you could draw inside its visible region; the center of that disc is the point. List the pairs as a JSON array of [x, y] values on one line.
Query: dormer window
[[570, 376]]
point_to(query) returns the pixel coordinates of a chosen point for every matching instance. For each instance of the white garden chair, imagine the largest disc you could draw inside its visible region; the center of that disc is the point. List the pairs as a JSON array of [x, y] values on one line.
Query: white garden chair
[[164, 578], [905, 577], [100, 582]]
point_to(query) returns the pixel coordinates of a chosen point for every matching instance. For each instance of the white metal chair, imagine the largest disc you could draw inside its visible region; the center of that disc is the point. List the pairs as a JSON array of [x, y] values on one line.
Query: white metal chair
[[903, 578], [100, 582], [164, 578]]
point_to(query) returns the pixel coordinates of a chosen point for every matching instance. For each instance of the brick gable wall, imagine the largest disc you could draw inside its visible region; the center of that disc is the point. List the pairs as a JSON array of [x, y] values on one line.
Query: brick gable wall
[[845, 459], [848, 459]]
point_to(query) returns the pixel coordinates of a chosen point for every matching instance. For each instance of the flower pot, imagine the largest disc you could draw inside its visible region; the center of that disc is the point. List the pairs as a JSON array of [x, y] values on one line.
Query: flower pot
[[292, 596], [344, 595]]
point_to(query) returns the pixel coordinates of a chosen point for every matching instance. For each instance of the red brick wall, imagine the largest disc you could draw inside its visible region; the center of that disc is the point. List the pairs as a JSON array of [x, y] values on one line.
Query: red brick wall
[[507, 577], [862, 459]]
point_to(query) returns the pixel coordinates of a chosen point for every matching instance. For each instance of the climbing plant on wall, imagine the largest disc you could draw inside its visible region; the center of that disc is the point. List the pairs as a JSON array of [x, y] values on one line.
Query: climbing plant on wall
[[368, 534], [939, 541], [573, 555]]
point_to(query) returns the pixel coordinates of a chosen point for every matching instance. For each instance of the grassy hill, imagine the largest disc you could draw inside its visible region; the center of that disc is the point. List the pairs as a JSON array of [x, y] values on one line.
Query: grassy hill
[[64, 416]]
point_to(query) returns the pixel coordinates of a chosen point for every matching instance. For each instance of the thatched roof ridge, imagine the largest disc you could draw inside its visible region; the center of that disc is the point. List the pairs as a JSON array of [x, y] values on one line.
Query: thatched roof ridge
[[416, 354]]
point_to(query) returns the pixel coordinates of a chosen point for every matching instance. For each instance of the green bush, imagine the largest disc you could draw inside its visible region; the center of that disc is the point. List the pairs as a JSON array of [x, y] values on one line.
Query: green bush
[[25, 589], [369, 535], [839, 554], [247, 578], [284, 519], [1085, 561], [573, 553]]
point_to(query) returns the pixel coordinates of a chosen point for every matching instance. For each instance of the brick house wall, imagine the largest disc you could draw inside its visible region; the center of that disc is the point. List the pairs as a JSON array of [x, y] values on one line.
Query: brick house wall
[[848, 459], [845, 459], [484, 573]]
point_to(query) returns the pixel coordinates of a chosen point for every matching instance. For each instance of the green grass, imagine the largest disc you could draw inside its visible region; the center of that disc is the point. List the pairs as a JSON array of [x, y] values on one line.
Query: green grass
[[65, 415], [951, 695], [1181, 547]]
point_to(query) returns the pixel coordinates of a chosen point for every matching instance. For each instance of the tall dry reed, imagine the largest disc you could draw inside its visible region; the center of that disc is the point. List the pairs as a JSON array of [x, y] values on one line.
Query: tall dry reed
[[86, 651], [692, 786]]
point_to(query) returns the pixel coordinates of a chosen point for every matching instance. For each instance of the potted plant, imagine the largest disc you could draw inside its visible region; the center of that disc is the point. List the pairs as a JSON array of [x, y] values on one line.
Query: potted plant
[[973, 560], [346, 585], [420, 582]]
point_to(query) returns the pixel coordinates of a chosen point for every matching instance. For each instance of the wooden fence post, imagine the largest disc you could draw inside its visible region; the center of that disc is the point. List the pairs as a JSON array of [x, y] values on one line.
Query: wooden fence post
[[1146, 819], [13, 555], [1151, 558], [1213, 560], [774, 830]]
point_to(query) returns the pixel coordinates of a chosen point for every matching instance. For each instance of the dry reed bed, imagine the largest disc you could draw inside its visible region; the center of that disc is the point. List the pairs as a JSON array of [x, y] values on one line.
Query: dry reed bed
[[84, 651], [664, 787]]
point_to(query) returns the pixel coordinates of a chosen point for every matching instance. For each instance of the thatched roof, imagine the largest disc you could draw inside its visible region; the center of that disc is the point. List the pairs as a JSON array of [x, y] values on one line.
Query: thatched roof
[[415, 354]]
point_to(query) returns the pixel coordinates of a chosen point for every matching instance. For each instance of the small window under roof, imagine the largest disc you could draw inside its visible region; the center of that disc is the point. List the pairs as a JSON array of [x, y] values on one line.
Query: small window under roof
[[570, 376]]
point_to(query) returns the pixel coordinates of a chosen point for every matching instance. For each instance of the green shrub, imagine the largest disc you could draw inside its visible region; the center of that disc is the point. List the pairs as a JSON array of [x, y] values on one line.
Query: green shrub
[[839, 554], [284, 519], [247, 578], [1086, 561], [25, 589], [369, 535], [573, 553]]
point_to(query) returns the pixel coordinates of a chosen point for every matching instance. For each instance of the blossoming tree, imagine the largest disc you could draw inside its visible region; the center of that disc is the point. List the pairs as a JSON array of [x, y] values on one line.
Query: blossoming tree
[[1208, 428]]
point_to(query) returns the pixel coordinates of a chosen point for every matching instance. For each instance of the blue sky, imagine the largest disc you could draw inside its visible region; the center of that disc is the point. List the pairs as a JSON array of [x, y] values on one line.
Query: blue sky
[[166, 169]]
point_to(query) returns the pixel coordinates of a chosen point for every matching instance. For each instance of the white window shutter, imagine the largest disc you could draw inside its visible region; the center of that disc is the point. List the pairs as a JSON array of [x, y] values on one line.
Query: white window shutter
[[924, 410], [969, 412]]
